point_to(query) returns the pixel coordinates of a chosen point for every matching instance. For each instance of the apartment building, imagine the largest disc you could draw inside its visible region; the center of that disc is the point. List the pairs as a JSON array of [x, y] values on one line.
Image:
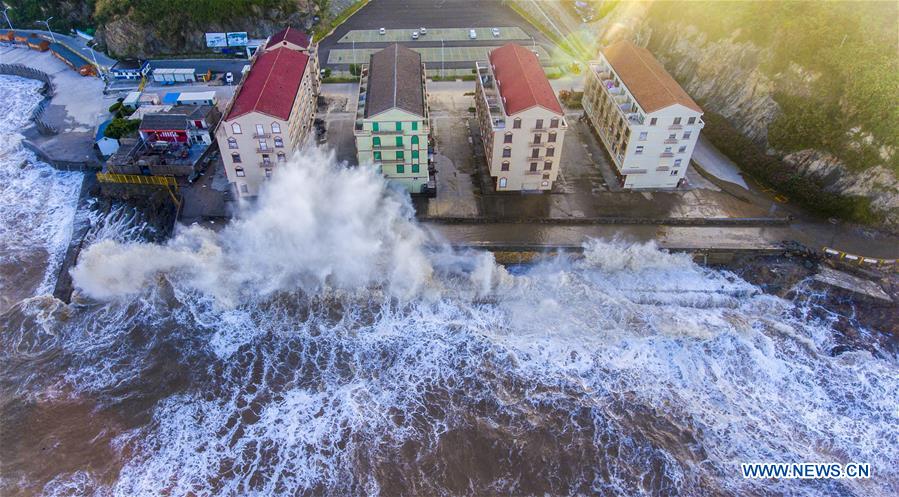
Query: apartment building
[[647, 122], [392, 126], [300, 41], [521, 120], [269, 118]]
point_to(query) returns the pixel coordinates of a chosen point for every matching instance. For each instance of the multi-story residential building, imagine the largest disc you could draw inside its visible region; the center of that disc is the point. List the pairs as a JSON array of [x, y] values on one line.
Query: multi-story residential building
[[269, 118], [645, 119], [392, 125], [521, 120], [298, 40]]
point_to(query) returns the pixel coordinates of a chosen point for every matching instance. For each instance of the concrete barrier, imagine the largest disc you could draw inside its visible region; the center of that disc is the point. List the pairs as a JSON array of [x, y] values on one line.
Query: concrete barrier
[[587, 221], [48, 90]]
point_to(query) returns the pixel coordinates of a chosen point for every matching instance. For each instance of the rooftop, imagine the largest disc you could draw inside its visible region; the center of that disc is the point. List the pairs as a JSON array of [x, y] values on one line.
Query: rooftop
[[395, 81], [126, 64], [69, 56], [289, 35], [645, 78], [160, 121], [521, 80], [272, 84]]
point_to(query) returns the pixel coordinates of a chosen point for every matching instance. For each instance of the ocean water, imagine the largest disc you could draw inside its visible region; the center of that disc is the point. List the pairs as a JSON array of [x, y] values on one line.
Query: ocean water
[[326, 344]]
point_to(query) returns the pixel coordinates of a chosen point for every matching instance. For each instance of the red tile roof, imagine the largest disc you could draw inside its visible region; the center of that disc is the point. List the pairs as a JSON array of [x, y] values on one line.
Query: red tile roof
[[272, 84], [291, 35], [645, 78], [522, 82]]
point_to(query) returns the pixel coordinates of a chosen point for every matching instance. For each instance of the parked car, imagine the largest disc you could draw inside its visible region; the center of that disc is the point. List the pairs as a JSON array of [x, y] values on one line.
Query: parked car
[[495, 32], [415, 35], [423, 31], [382, 31], [229, 78], [472, 34]]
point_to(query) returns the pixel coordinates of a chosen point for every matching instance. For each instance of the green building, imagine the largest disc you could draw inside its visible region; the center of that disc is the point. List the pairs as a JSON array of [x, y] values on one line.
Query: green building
[[392, 125]]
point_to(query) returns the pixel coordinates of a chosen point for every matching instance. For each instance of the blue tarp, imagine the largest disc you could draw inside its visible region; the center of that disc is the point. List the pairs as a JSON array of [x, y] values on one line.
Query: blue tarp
[[170, 98], [102, 129]]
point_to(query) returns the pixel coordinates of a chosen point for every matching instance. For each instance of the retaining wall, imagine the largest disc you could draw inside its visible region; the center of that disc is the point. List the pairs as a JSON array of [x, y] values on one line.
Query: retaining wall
[[48, 90]]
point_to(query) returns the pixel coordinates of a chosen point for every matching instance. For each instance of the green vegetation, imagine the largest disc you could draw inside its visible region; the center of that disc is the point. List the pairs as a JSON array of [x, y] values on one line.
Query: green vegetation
[[773, 172], [120, 127], [326, 26], [834, 65]]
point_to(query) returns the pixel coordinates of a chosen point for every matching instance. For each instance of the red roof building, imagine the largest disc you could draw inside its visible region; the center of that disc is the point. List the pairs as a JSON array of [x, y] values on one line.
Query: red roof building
[[272, 84], [287, 37], [521, 80]]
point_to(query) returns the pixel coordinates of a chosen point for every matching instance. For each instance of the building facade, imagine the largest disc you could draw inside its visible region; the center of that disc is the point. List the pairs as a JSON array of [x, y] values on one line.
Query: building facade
[[270, 117], [299, 41], [521, 120], [646, 121], [392, 123]]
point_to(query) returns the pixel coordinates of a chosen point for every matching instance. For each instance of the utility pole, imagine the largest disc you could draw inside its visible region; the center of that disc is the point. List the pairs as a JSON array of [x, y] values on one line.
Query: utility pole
[[7, 17], [442, 61], [47, 23], [94, 55]]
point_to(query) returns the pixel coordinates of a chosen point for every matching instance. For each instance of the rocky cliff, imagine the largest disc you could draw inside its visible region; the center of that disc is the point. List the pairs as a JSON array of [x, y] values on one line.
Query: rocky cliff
[[743, 80]]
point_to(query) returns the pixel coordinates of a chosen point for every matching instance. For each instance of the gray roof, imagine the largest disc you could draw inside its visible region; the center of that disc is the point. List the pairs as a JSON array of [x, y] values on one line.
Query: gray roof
[[163, 121], [394, 81], [191, 111]]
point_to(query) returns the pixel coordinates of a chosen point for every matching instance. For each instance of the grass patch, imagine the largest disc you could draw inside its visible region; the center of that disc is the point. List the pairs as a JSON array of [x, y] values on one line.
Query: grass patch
[[336, 79], [326, 27]]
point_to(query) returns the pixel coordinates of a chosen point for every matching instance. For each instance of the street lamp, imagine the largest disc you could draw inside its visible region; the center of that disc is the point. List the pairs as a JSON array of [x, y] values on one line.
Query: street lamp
[[94, 55], [47, 23], [7, 17]]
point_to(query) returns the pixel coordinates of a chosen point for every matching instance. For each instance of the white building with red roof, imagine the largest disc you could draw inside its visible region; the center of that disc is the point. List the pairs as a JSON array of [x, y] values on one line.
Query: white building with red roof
[[647, 122], [270, 117], [521, 120]]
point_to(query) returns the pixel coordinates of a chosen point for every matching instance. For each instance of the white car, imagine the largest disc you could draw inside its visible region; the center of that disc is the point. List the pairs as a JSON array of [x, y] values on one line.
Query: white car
[[495, 32], [472, 34], [415, 35], [423, 31], [382, 31], [229, 78]]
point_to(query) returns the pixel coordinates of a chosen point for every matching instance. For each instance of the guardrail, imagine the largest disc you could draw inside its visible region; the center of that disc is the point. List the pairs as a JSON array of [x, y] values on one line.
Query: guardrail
[[830, 252]]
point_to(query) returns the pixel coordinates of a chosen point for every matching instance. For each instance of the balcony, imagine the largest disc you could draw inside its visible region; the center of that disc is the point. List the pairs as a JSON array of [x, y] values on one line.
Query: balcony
[[490, 99], [670, 141], [666, 154], [675, 127], [262, 135], [267, 164], [387, 147], [387, 132], [265, 150]]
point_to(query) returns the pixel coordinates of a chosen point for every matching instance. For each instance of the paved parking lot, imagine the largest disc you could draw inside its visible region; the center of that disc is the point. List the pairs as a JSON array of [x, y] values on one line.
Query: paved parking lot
[[406, 15], [434, 34], [449, 55]]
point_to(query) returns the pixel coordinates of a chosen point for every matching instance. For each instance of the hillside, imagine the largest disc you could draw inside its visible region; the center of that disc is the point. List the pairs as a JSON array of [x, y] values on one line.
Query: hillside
[[815, 84]]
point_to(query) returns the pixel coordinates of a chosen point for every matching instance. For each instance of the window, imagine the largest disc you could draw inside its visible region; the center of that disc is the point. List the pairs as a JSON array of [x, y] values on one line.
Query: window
[[375, 126], [552, 137], [653, 121], [268, 173], [414, 125], [537, 137], [682, 149], [674, 172], [548, 165], [691, 120], [554, 122], [415, 139], [672, 136], [399, 141], [376, 141], [639, 150], [677, 120], [266, 159], [279, 142], [260, 129], [399, 154], [508, 137], [535, 152], [400, 169], [244, 189], [507, 152], [235, 157], [282, 157], [677, 162], [232, 143], [399, 126], [415, 168], [533, 167], [550, 151], [239, 172], [516, 124], [667, 150], [377, 156], [539, 124], [276, 128], [235, 128], [502, 182], [263, 145], [415, 154], [504, 166], [687, 135]]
